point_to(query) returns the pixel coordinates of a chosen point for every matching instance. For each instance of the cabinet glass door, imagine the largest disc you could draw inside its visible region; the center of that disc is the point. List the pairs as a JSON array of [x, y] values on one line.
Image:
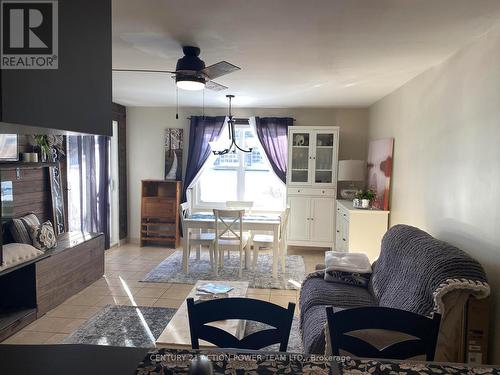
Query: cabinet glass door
[[324, 172], [299, 163]]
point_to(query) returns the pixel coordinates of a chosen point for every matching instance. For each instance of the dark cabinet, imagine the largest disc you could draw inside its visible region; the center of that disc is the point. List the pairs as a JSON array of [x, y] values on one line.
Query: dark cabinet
[[78, 95]]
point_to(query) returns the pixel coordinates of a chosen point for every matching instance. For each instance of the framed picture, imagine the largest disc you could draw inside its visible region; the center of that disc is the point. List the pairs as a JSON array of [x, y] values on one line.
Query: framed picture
[[380, 170], [174, 144], [8, 147], [58, 214]]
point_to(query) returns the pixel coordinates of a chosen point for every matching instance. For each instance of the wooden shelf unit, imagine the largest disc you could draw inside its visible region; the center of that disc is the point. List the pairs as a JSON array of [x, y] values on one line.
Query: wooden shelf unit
[[160, 201]]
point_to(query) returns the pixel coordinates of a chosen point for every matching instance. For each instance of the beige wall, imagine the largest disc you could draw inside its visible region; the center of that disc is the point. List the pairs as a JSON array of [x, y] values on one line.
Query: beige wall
[[146, 127], [446, 125]]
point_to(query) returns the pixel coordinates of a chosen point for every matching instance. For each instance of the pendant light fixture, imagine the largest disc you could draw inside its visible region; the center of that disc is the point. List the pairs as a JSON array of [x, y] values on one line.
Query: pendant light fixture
[[230, 125]]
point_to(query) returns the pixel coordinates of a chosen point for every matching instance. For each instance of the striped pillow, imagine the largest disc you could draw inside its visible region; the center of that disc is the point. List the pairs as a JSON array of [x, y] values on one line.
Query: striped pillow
[[20, 228]]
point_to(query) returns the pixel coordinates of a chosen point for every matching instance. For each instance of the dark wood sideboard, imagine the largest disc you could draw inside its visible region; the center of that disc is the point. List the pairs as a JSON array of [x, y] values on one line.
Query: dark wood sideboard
[[29, 290], [160, 201]]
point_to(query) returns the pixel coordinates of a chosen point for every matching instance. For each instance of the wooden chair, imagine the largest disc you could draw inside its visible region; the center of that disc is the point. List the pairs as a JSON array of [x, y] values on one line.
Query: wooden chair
[[267, 240], [229, 235], [203, 312], [198, 239], [425, 330]]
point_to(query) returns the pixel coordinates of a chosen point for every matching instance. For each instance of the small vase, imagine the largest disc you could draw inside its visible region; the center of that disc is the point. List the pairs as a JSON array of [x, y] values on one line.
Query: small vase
[[365, 203], [43, 156]]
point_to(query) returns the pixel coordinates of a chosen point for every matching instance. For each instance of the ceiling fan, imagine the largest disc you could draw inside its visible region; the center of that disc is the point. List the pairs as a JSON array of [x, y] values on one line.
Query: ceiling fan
[[191, 73]]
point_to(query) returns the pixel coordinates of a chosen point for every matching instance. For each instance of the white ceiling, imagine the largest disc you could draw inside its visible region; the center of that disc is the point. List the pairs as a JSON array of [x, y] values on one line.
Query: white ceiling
[[293, 53]]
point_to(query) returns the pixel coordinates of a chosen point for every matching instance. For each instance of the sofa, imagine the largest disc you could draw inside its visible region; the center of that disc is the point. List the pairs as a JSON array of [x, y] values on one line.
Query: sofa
[[414, 272]]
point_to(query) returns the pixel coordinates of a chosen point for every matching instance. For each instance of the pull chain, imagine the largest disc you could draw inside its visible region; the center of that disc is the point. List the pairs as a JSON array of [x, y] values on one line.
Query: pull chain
[[176, 102]]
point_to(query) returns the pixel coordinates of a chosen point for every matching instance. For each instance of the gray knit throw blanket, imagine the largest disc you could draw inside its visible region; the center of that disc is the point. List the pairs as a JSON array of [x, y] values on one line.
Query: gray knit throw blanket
[[415, 270], [413, 273]]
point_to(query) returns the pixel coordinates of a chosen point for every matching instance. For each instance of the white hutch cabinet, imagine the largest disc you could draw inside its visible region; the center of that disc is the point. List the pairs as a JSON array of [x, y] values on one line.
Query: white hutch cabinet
[[312, 185]]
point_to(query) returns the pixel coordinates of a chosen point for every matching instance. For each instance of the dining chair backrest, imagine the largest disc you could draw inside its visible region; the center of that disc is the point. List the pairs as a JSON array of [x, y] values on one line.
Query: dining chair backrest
[[423, 329], [201, 313], [246, 205], [228, 224], [284, 222], [183, 213]]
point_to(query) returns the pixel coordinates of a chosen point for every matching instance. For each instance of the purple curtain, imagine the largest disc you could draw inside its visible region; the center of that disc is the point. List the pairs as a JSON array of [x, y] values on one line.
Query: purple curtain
[[273, 133], [202, 130]]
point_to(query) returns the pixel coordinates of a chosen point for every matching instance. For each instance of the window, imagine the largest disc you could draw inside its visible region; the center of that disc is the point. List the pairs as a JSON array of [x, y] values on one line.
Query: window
[[240, 176]]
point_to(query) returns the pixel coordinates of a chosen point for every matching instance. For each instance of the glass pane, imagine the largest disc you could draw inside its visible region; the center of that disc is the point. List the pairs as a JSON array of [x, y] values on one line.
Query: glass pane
[[324, 140], [301, 139], [218, 185], [299, 176], [264, 189], [300, 158], [323, 177], [324, 159]]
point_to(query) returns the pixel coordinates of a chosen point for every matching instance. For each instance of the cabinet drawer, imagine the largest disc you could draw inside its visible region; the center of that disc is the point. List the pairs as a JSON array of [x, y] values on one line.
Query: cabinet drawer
[[342, 212], [158, 207], [312, 191]]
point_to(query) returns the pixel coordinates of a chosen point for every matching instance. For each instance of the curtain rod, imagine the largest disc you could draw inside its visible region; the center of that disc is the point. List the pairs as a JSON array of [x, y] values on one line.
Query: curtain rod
[[237, 119]]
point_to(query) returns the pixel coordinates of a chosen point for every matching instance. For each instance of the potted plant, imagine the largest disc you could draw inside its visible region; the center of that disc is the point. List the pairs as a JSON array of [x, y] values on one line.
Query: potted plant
[[50, 146], [43, 144], [364, 199]]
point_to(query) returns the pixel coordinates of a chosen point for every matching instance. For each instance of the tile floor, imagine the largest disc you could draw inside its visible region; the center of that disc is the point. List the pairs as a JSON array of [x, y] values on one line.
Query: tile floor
[[120, 285]]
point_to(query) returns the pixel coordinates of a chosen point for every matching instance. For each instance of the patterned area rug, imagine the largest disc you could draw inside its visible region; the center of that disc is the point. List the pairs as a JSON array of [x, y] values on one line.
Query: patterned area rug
[[140, 327], [123, 326], [170, 271]]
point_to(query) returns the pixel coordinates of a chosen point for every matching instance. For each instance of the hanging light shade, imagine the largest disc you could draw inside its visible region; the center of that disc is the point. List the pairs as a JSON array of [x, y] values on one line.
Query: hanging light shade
[[233, 146], [190, 83]]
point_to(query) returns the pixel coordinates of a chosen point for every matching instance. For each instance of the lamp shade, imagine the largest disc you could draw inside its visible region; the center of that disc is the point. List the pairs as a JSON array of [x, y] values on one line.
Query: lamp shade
[[352, 170]]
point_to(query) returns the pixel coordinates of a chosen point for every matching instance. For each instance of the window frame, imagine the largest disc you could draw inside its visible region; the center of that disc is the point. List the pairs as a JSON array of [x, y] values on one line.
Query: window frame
[[199, 205]]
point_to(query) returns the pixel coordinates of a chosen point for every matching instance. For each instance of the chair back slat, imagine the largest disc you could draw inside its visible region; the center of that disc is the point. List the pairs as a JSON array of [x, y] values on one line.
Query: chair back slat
[[228, 222], [423, 329], [203, 312]]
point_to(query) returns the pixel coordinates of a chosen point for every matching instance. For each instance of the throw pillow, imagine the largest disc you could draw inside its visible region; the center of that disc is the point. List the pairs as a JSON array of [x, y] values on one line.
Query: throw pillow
[[20, 228], [17, 253], [43, 236]]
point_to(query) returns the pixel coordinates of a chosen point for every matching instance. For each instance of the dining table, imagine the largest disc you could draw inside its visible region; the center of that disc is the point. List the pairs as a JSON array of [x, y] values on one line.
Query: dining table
[[250, 222]]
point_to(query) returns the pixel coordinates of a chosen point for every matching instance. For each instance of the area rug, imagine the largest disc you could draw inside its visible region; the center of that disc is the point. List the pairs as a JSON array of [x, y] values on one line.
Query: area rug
[[170, 271], [140, 326], [118, 325]]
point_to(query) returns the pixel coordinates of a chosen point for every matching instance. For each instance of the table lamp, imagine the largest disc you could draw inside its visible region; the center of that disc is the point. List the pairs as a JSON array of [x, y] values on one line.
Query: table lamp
[[351, 170]]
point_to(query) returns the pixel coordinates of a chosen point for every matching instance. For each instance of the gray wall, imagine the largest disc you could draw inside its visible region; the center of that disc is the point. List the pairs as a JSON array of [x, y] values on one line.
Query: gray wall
[[146, 127], [446, 125], [77, 96]]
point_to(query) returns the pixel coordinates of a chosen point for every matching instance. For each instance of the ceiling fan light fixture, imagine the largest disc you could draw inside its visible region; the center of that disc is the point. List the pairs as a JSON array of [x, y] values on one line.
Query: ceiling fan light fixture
[[190, 83]]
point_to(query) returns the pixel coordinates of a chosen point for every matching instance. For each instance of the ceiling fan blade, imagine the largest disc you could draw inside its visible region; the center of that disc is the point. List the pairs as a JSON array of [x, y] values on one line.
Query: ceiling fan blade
[[219, 69], [143, 71], [214, 86]]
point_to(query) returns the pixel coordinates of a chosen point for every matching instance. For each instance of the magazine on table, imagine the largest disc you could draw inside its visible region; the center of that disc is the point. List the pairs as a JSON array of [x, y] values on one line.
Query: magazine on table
[[211, 288]]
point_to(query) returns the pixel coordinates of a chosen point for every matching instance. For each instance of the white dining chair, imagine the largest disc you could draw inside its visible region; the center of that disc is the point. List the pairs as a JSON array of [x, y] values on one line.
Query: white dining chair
[[198, 239], [266, 241], [229, 235]]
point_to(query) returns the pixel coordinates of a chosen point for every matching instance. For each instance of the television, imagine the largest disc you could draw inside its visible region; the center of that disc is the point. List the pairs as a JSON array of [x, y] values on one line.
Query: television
[[8, 147]]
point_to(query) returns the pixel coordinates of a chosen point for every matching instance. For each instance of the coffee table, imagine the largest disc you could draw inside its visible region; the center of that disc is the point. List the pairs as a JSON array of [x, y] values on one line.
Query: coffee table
[[177, 335]]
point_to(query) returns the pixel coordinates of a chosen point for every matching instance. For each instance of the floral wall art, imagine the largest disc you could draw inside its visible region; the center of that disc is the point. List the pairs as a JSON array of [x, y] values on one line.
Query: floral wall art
[[379, 170]]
